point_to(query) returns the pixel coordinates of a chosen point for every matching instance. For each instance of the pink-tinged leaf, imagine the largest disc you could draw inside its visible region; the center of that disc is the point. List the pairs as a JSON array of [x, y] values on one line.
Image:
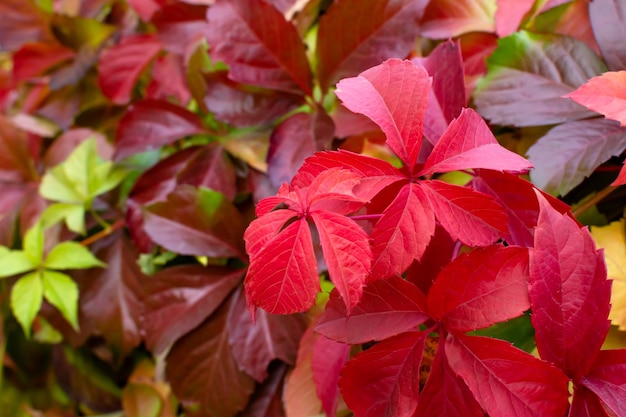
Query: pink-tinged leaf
[[300, 392], [283, 277], [347, 254], [484, 287], [607, 379], [621, 177], [357, 34], [507, 381], [264, 229], [449, 18], [384, 380], [180, 298], [64, 144], [150, 124], [510, 14], [350, 124], [145, 8], [34, 59], [394, 95], [403, 232], [445, 394], [313, 131], [474, 218], [604, 94], [387, 308], [328, 359], [22, 22], [259, 45], [267, 399], [572, 151], [586, 404], [439, 253], [529, 73], [469, 143], [168, 80], [608, 20], [569, 293], [196, 221], [255, 345], [203, 353], [121, 65]]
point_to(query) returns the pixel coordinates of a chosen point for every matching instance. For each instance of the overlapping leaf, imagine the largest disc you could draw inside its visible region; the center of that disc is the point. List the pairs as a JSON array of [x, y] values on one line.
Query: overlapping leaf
[[607, 20], [448, 18], [604, 94], [606, 379], [327, 361]]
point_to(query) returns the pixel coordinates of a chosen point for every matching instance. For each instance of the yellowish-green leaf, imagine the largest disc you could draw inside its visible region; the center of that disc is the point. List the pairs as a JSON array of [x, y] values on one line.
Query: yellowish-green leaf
[[72, 214], [26, 299], [45, 333], [71, 255], [13, 262], [62, 292], [613, 239], [33, 244]]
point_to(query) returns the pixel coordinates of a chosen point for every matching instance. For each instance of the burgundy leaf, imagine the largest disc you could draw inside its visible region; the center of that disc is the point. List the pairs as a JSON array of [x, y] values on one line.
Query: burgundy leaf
[[326, 363], [121, 65], [259, 45], [283, 275], [607, 20], [22, 22], [387, 307], [468, 143], [402, 234], [180, 298], [16, 160], [168, 80], [394, 95], [474, 218], [180, 25], [34, 59], [196, 222], [357, 34], [586, 404], [150, 124], [569, 293], [210, 167], [384, 380], [203, 372], [607, 379], [481, 288], [507, 381], [255, 345], [267, 399]]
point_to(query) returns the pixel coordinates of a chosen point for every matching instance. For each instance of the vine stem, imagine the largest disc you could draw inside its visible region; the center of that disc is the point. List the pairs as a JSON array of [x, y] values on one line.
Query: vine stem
[[99, 219], [601, 195], [103, 233]]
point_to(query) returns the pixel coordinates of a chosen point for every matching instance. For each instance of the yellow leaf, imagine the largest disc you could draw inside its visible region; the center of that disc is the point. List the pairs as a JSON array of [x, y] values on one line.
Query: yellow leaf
[[613, 239]]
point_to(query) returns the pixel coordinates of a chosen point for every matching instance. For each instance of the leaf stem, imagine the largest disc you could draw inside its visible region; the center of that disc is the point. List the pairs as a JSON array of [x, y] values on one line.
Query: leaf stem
[[601, 195], [366, 217], [103, 233], [105, 225]]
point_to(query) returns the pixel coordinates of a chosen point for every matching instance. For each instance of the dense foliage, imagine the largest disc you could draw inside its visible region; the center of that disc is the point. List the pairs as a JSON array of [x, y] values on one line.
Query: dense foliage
[[301, 208]]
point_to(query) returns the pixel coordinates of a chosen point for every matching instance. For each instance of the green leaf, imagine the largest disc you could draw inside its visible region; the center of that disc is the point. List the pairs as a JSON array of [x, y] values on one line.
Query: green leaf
[[62, 292], [71, 255], [33, 244], [72, 214], [26, 299], [13, 262]]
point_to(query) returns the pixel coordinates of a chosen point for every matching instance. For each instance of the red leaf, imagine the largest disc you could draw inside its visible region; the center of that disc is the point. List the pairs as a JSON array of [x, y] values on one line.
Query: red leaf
[[474, 218], [283, 275], [17, 163], [509, 15], [326, 363], [468, 143], [387, 307], [445, 394], [180, 298], [507, 381], [196, 222], [608, 20], [300, 392], [332, 190], [394, 95], [259, 45], [168, 80], [486, 286], [180, 25], [255, 345], [449, 18], [22, 22], [604, 94], [121, 65], [621, 177], [347, 254], [357, 34], [403, 232], [586, 404], [203, 353], [438, 254], [569, 293], [264, 229], [607, 378], [150, 124], [384, 380], [34, 59]]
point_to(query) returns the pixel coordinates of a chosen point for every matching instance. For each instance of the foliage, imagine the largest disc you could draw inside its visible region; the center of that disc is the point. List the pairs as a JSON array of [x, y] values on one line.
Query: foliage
[[298, 208]]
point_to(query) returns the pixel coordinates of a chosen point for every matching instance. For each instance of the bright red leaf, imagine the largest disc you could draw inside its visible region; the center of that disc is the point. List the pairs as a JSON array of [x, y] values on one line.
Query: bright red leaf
[[607, 379], [586, 404], [34, 59], [326, 363], [259, 45], [604, 94], [569, 293]]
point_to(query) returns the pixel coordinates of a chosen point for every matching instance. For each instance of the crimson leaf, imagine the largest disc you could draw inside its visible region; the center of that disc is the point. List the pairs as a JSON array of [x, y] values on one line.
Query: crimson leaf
[[586, 404], [607, 379], [327, 360]]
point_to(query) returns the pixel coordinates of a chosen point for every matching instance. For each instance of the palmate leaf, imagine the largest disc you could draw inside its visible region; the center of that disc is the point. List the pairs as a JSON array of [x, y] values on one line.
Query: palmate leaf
[[62, 292], [604, 94], [14, 262]]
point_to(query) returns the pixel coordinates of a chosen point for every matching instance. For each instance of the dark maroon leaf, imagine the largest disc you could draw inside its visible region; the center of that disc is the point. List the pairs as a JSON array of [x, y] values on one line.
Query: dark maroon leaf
[[150, 124], [355, 35], [256, 345], [387, 307], [607, 379], [210, 167], [180, 298], [203, 372], [569, 293], [259, 45], [312, 132], [196, 221], [179, 25], [328, 359], [608, 20], [267, 399], [586, 404], [22, 22]]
